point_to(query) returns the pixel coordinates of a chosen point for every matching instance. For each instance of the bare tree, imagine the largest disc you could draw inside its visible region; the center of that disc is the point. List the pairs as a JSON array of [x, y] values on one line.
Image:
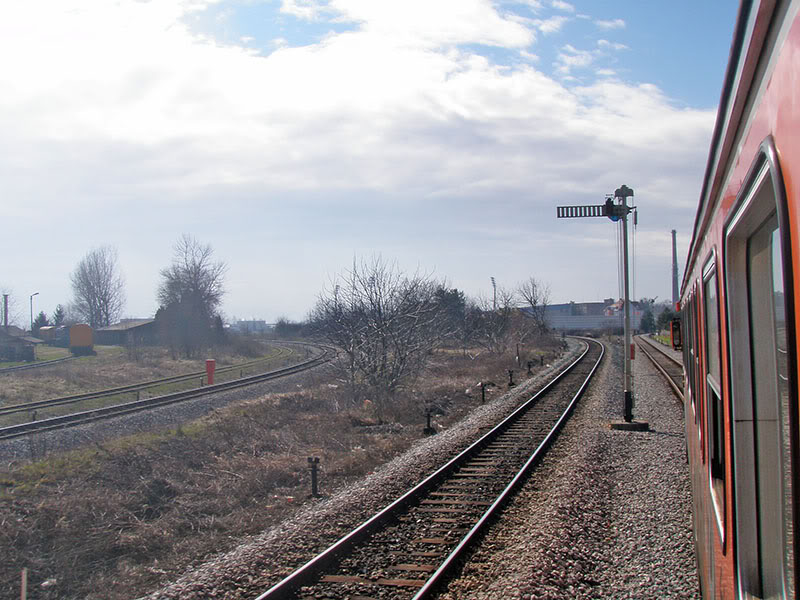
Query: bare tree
[[98, 287], [385, 323], [190, 294], [536, 296], [493, 329]]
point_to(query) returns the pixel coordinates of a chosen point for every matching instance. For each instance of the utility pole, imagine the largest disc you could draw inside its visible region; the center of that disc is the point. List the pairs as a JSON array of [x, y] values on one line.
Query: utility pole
[[616, 212], [32, 295], [674, 270], [494, 287]]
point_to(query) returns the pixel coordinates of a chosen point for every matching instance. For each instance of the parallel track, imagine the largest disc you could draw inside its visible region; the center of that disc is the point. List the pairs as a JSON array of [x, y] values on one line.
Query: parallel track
[[82, 417], [38, 365], [671, 369], [135, 387], [410, 547]]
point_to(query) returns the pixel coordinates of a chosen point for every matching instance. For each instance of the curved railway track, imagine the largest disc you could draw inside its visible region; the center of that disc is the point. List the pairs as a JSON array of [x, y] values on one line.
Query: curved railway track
[[410, 547], [88, 416], [671, 369]]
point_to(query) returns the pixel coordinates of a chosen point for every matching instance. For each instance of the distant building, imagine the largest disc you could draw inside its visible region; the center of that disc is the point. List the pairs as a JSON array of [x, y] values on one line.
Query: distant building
[[251, 327], [16, 346], [128, 332], [591, 316]]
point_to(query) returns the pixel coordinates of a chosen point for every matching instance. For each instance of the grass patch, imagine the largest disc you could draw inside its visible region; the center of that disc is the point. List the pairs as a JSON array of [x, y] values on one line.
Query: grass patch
[[112, 368]]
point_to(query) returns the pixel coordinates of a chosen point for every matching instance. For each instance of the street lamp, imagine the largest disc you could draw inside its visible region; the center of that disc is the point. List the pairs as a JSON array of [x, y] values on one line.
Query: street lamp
[[32, 295]]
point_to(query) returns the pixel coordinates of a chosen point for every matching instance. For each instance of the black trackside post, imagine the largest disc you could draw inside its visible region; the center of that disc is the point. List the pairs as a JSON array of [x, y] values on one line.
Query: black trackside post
[[314, 463], [628, 406]]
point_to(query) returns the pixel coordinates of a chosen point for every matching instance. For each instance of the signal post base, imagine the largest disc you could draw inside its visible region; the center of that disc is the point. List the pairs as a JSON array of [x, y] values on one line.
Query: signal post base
[[630, 425]]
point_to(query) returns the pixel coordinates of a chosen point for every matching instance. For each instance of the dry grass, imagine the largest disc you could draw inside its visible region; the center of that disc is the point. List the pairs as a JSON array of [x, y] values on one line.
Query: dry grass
[[112, 367], [124, 517]]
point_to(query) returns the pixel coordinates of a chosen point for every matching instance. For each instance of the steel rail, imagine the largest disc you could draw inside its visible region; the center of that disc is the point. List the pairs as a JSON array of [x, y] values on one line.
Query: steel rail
[[133, 387], [44, 363], [450, 562], [647, 348], [307, 572], [82, 417]]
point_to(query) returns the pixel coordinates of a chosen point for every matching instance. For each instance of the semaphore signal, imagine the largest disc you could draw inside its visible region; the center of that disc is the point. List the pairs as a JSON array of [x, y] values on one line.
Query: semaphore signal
[[616, 212]]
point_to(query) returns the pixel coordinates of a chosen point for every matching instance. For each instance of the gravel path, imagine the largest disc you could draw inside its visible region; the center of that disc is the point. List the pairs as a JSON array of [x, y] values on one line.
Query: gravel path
[[606, 515]]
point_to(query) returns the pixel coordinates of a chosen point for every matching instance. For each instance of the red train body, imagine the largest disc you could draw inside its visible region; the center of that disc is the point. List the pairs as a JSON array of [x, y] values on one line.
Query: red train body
[[740, 319]]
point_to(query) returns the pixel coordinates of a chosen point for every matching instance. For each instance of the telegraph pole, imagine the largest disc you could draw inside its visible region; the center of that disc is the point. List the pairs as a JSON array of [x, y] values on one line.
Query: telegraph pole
[[615, 212]]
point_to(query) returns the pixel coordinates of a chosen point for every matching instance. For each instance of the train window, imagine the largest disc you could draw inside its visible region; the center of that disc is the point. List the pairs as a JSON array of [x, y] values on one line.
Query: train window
[[687, 349], [760, 382], [715, 419]]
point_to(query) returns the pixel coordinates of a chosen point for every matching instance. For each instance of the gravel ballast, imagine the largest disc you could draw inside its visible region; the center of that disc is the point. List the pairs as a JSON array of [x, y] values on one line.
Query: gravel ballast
[[605, 515]]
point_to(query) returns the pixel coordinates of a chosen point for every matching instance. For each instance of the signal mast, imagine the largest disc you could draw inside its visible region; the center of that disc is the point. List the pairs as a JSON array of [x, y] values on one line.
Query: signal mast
[[616, 212]]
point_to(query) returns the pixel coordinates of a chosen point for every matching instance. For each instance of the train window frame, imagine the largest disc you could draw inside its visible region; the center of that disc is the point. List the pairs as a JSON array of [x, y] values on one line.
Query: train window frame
[[699, 366], [761, 210], [690, 351], [713, 419]]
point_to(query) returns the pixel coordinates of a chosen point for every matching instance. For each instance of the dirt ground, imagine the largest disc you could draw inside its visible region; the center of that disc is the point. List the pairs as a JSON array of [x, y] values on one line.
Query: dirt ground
[[118, 519]]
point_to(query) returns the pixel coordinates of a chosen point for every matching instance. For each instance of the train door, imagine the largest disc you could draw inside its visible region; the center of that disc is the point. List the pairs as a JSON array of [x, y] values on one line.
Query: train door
[[763, 383]]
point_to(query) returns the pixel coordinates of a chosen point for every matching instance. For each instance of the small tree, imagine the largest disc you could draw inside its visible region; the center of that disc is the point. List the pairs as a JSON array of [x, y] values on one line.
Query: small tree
[[59, 316], [40, 321], [648, 323], [98, 287], [536, 296], [385, 323], [494, 323], [665, 317], [453, 307], [190, 294]]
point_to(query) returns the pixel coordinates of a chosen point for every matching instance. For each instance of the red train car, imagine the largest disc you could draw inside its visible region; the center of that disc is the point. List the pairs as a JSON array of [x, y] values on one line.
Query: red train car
[[740, 319]]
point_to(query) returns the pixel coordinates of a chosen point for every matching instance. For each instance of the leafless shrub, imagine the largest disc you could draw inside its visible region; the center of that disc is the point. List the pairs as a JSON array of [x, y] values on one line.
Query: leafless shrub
[[385, 323], [536, 296], [492, 321]]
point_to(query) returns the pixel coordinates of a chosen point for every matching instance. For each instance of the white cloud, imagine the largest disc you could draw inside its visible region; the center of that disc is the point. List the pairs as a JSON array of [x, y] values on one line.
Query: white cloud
[[610, 24], [323, 149], [565, 6], [551, 25], [570, 58], [434, 23], [310, 10], [605, 44]]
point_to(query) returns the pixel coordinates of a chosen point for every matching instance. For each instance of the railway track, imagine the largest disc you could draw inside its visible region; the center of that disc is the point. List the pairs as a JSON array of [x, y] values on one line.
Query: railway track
[[106, 412], [410, 547], [671, 369], [129, 390], [38, 365]]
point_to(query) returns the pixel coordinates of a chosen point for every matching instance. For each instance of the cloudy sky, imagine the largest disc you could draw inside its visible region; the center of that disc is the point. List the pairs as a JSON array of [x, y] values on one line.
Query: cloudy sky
[[293, 135]]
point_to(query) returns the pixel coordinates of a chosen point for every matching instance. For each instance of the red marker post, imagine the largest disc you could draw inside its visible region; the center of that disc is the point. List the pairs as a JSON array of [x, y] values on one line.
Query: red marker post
[[211, 364]]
